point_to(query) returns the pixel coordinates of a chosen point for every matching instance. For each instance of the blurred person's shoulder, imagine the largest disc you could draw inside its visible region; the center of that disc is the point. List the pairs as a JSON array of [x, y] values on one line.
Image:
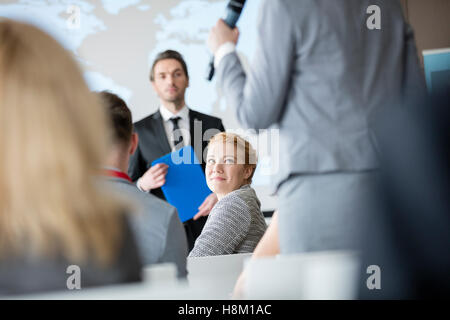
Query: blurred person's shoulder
[[145, 122], [203, 116], [142, 201]]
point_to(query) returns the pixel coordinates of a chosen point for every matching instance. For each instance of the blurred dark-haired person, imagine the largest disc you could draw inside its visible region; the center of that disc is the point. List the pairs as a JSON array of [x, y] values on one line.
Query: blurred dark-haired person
[[170, 128], [52, 214], [407, 231], [158, 229]]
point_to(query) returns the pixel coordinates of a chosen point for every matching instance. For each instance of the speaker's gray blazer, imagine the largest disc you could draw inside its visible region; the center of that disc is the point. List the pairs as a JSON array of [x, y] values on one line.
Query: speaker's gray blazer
[[318, 74]]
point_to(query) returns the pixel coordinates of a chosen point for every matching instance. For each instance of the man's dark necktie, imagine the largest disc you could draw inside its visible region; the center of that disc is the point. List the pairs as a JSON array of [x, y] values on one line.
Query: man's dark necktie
[[176, 133]]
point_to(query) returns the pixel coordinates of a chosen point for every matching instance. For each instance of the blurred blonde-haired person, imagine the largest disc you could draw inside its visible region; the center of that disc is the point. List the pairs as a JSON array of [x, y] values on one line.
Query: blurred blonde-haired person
[[236, 223], [52, 139]]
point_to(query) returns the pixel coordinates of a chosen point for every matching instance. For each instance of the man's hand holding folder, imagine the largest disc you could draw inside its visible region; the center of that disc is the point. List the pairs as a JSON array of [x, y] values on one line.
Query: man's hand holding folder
[[183, 184], [154, 178]]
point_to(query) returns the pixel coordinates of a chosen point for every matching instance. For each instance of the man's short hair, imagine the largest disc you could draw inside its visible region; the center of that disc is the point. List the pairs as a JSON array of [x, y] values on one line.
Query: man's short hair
[[119, 116], [168, 54]]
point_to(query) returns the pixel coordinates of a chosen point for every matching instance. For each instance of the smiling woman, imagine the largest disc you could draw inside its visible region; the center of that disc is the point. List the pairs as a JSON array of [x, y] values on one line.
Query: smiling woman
[[230, 163], [236, 223]]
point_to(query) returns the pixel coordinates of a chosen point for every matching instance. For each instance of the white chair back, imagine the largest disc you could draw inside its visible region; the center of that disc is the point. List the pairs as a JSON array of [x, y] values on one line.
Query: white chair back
[[216, 274], [320, 275]]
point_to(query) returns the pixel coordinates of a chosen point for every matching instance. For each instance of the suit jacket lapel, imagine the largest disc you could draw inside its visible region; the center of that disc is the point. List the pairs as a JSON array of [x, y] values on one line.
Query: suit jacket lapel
[[198, 151], [161, 133], [191, 127]]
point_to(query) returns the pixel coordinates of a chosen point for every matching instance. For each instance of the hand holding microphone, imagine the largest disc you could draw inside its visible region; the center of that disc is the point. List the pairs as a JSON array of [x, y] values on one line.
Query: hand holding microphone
[[220, 34], [224, 31]]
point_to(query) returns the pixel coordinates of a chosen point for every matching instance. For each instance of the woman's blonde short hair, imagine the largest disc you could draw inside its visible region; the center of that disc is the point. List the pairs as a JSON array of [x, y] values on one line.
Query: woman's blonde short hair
[[53, 135], [242, 146]]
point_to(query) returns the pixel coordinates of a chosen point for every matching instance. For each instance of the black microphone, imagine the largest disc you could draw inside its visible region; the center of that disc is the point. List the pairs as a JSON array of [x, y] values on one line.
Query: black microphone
[[233, 12]]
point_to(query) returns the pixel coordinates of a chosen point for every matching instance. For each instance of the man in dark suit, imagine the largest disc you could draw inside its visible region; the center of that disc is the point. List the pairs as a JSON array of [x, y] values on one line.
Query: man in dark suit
[[173, 126]]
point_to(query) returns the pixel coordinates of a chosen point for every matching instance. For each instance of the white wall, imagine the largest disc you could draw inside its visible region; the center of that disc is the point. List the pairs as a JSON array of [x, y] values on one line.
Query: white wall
[[116, 41]]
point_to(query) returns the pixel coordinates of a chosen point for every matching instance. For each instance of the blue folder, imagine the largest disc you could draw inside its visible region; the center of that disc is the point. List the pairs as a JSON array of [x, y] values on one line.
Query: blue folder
[[185, 186]]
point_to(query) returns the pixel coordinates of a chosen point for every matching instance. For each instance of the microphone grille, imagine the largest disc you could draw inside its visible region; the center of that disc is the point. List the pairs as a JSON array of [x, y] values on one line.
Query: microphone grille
[[236, 5]]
